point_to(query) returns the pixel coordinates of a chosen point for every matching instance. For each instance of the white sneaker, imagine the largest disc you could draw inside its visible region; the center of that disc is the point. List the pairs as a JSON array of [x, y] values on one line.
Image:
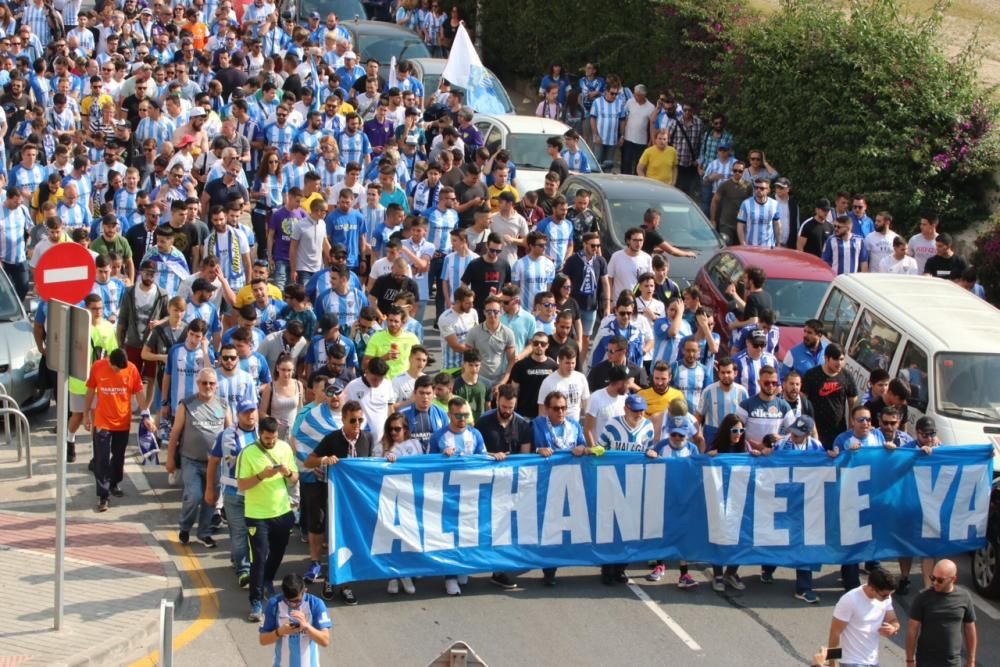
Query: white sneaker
[[393, 587], [451, 587], [408, 586], [463, 579]]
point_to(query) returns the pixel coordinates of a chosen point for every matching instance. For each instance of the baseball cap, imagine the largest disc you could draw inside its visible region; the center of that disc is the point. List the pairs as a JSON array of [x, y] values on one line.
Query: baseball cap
[[200, 284], [246, 405], [782, 182], [823, 204], [334, 387], [148, 265], [617, 374], [314, 15], [146, 10], [635, 402], [925, 424], [724, 146], [412, 140], [758, 336], [678, 425], [350, 55], [196, 112], [802, 426], [186, 140]]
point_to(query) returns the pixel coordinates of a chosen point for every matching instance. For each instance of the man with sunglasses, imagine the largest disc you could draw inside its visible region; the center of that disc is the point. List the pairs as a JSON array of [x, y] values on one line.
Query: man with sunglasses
[[862, 617], [486, 275], [529, 373], [297, 618], [758, 222], [926, 441], [941, 617], [766, 412]]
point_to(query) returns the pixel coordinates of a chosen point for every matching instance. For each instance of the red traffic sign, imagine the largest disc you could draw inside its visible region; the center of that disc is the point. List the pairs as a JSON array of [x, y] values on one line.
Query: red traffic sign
[[66, 272]]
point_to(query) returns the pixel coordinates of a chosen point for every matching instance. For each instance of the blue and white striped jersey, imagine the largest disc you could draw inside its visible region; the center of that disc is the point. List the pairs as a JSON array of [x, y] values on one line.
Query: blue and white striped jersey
[[454, 266], [16, 223], [811, 444], [452, 323], [717, 402], [845, 256], [665, 449], [773, 338], [690, 381], [77, 215], [619, 436], [160, 130], [204, 311], [235, 388], [183, 366], [296, 650], [312, 424], [666, 347], [27, 178], [747, 369], [717, 166], [373, 217], [272, 189], [112, 293], [256, 365], [345, 229], [587, 86], [125, 206], [354, 147], [280, 138], [424, 250], [171, 269], [577, 161], [466, 443], [346, 306], [268, 316], [439, 225], [608, 115], [294, 176], [533, 276], [759, 220], [560, 239]]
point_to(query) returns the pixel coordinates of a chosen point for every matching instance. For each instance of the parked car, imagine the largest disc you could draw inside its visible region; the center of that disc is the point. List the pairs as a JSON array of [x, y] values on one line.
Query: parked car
[[524, 137], [796, 282], [428, 72], [19, 356], [619, 202], [346, 10], [383, 41]]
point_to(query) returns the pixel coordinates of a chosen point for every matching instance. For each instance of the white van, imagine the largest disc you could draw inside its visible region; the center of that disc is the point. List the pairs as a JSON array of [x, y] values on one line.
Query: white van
[[940, 338]]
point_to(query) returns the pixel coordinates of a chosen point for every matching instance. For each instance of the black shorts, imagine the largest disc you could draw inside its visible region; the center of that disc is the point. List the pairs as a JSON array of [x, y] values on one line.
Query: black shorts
[[312, 500]]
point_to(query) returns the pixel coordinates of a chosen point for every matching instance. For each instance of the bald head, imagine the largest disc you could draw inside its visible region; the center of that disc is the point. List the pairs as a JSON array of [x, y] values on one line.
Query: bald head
[[945, 575]]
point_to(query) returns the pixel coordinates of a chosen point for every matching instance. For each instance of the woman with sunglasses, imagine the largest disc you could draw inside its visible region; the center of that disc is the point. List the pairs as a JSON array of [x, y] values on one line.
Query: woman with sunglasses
[[282, 399], [562, 287], [731, 438], [396, 442]]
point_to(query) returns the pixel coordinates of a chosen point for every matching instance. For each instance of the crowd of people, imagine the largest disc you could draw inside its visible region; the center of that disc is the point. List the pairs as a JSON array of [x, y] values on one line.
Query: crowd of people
[[270, 220]]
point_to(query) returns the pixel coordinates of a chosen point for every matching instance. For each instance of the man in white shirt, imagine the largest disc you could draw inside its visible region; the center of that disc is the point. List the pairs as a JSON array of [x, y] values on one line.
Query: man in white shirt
[[879, 242], [862, 617], [569, 381], [899, 262], [629, 263], [922, 246], [605, 404], [375, 395], [309, 249], [638, 111]]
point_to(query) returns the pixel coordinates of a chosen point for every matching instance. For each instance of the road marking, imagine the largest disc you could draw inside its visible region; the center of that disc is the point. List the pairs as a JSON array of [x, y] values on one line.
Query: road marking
[[664, 616], [204, 590], [64, 275], [985, 606]]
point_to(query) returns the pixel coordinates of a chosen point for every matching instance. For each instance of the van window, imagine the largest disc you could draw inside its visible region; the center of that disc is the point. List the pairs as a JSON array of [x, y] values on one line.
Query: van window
[[913, 369], [725, 270], [874, 342], [838, 317], [967, 385]]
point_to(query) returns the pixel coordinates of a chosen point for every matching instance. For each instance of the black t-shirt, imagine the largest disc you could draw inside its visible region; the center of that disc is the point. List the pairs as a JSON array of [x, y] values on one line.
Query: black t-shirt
[[131, 106], [756, 302], [387, 288], [466, 193], [598, 376], [829, 395], [815, 232], [555, 346], [504, 439], [560, 166], [949, 268], [942, 618], [876, 405], [544, 201], [651, 240], [140, 240], [529, 375], [335, 444], [219, 193], [576, 269], [187, 237], [481, 277]]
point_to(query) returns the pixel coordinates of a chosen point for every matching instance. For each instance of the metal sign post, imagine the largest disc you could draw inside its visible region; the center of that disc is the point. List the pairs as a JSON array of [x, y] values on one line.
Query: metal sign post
[[67, 353]]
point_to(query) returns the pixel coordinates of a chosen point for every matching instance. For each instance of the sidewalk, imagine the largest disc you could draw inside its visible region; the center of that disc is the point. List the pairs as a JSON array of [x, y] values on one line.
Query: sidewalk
[[116, 572]]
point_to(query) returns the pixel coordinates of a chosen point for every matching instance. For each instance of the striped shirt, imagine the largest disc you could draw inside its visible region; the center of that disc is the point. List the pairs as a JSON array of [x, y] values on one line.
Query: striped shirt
[[454, 267], [608, 114], [845, 256], [619, 436], [373, 216], [256, 365], [16, 223], [171, 269], [34, 16], [576, 161], [294, 176], [453, 323], [347, 306], [425, 251], [465, 443], [280, 138], [160, 130], [759, 220], [718, 167], [666, 347], [182, 367], [111, 293], [439, 225], [717, 402], [533, 276], [295, 650], [235, 388], [560, 239], [690, 381], [27, 178], [268, 316], [272, 188], [203, 311], [227, 447], [587, 86], [354, 147], [748, 370], [125, 206]]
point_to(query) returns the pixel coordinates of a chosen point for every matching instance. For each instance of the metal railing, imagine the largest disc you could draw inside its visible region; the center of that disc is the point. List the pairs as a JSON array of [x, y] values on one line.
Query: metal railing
[[9, 408]]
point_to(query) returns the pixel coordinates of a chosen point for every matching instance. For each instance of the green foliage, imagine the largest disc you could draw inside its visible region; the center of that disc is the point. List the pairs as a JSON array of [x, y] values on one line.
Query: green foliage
[[863, 100], [986, 259]]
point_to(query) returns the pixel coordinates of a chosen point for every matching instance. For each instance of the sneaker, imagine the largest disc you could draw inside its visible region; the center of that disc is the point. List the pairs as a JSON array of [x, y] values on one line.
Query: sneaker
[[463, 579], [503, 581], [734, 581], [102, 505], [408, 586], [393, 587], [116, 491], [207, 542], [686, 581], [90, 465], [451, 587], [808, 597], [347, 596], [243, 578], [719, 585], [184, 536], [256, 614], [657, 573], [607, 579], [313, 573], [269, 590], [549, 581], [71, 453], [621, 577], [767, 577], [903, 587], [327, 593], [216, 519]]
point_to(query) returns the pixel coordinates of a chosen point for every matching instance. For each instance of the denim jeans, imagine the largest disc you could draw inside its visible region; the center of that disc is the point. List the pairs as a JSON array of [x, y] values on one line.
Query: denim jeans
[[434, 279], [281, 270], [193, 505], [18, 274], [239, 546], [268, 541], [304, 277], [803, 578], [606, 155]]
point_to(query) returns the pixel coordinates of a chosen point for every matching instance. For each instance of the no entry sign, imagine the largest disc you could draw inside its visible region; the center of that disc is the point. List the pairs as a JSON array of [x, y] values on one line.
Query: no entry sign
[[65, 272]]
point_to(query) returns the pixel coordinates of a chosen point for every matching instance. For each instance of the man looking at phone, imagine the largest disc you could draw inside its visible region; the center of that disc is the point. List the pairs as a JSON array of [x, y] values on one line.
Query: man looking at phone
[[862, 616], [298, 619]]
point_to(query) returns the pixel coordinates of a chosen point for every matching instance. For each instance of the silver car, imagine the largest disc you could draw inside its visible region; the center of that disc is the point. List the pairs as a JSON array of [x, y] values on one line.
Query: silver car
[[19, 355]]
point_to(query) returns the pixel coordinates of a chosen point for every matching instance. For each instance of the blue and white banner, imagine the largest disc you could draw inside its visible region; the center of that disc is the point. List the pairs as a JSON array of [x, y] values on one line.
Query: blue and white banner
[[431, 515]]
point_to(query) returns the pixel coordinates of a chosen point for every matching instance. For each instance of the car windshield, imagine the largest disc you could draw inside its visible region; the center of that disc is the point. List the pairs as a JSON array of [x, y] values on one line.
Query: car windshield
[[528, 151], [682, 224], [383, 47], [968, 385], [344, 9], [795, 301], [10, 307]]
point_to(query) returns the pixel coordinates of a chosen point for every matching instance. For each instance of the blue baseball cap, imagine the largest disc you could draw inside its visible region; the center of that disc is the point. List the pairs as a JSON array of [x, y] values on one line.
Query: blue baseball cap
[[246, 406], [635, 402]]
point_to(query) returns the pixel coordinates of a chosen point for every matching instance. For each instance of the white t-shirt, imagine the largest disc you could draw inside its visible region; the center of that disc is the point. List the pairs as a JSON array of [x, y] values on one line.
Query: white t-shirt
[[184, 291], [575, 388], [624, 271], [863, 615], [383, 266], [904, 267], [879, 247], [310, 235], [603, 407], [921, 250], [637, 121], [402, 386], [375, 403]]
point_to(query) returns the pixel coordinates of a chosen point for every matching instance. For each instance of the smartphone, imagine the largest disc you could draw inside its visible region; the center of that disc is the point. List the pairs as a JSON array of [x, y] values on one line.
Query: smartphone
[[834, 653]]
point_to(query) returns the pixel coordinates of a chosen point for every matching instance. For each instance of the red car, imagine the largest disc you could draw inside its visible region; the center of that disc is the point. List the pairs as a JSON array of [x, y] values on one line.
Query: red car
[[796, 282]]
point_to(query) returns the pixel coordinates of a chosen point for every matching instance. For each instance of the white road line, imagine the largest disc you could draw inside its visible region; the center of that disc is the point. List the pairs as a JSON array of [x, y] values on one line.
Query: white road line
[[985, 606], [137, 476], [664, 616], [65, 275]]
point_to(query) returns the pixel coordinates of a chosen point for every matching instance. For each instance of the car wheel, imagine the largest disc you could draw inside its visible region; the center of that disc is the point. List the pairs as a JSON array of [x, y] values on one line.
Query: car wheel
[[986, 569]]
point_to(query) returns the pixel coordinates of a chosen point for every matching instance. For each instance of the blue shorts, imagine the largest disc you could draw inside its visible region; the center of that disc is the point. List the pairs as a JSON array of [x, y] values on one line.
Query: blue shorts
[[588, 318]]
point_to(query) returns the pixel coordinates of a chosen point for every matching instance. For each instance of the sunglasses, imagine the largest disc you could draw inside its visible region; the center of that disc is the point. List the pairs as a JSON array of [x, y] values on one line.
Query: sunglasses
[[558, 408], [540, 343], [927, 434], [229, 357], [354, 420], [458, 416], [204, 383], [737, 171], [395, 429], [863, 420], [492, 311], [889, 423], [770, 383], [939, 580], [492, 251], [625, 313], [737, 430]]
